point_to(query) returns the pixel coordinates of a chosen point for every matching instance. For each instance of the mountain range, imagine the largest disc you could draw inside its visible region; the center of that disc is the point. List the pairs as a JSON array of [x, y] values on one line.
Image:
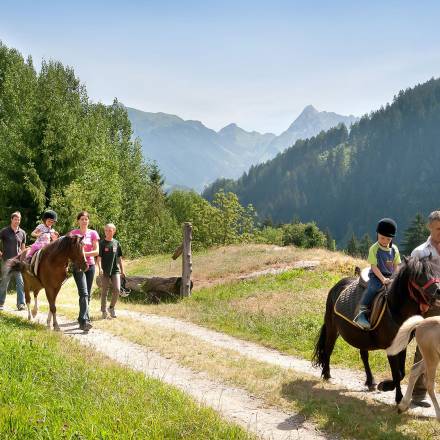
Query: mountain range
[[189, 154]]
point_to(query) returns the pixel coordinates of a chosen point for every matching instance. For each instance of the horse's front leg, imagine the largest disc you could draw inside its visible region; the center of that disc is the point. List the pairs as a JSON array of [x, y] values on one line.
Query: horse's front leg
[[396, 372], [416, 370], [397, 365], [370, 379]]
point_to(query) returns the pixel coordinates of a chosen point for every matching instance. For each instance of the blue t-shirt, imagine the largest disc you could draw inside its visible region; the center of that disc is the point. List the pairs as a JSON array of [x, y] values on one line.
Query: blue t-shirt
[[384, 258]]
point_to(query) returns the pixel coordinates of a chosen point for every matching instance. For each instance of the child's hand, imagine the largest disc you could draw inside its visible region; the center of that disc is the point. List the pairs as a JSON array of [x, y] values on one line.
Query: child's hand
[[386, 281]]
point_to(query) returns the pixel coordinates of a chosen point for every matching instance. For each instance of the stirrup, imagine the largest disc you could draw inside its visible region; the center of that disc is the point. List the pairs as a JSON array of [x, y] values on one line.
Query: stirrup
[[361, 316]]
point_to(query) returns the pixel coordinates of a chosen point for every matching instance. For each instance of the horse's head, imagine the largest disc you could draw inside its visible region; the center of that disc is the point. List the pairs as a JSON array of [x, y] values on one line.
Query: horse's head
[[76, 253], [423, 279]]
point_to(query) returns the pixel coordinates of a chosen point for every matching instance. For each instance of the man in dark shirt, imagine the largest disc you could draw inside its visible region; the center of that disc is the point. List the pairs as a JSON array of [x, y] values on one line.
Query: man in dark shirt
[[12, 241]]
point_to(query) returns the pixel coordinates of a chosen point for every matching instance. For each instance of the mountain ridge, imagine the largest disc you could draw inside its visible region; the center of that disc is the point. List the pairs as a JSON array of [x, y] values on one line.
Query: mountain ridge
[[192, 154]]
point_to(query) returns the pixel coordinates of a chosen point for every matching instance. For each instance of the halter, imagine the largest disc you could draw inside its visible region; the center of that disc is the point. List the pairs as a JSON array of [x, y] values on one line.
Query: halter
[[423, 302]]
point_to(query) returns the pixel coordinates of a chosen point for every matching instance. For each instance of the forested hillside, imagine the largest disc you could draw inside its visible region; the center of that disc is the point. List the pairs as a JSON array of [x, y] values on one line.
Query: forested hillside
[[386, 166], [59, 150]]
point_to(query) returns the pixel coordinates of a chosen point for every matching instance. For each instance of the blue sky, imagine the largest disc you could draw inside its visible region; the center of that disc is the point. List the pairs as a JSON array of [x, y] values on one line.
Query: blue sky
[[254, 63]]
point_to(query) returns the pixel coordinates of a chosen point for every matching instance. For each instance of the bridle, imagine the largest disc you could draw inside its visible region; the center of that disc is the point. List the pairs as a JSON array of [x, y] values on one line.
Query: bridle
[[420, 294]]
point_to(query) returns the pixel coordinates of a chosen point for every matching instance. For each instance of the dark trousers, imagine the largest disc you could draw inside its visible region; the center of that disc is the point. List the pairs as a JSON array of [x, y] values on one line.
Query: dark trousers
[[419, 391], [84, 281]]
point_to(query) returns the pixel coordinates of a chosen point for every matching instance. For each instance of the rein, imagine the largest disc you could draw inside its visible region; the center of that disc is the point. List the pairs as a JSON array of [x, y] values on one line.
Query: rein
[[420, 297]]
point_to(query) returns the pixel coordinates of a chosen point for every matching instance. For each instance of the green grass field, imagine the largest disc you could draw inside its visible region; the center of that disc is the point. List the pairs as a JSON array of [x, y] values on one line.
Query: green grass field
[[52, 388]]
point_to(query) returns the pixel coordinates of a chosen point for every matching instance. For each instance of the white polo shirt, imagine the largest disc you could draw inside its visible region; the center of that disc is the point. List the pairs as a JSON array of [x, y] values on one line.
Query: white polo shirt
[[425, 249]]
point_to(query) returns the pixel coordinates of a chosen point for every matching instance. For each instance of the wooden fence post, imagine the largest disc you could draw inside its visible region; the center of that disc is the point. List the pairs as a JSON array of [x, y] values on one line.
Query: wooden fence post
[[185, 288]]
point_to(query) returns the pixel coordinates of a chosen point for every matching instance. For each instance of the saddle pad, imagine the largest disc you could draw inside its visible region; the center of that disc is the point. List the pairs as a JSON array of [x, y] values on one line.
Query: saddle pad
[[348, 301], [347, 304], [35, 262]]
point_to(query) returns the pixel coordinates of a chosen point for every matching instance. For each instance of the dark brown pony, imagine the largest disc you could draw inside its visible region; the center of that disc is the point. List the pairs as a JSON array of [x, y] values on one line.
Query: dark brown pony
[[52, 272], [416, 284]]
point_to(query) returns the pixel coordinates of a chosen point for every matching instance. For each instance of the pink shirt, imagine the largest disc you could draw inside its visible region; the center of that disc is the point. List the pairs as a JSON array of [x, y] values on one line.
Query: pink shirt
[[89, 237], [44, 238]]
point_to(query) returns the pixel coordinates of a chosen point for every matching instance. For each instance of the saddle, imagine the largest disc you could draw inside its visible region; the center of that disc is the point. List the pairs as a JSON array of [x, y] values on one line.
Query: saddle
[[347, 304]]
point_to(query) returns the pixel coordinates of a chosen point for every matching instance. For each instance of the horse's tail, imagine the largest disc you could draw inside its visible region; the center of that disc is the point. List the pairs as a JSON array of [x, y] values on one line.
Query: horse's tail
[[319, 357], [15, 265], [401, 340], [322, 352]]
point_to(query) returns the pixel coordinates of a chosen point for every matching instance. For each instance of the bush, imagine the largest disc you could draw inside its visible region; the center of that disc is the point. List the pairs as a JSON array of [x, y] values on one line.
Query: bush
[[304, 235]]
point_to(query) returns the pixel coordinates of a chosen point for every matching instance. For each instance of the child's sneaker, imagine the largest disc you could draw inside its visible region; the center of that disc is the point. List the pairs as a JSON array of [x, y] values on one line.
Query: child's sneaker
[[2, 307], [111, 311]]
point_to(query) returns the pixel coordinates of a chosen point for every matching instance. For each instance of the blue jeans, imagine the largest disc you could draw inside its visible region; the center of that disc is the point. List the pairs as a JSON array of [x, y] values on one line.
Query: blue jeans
[[374, 284], [5, 284], [84, 281]]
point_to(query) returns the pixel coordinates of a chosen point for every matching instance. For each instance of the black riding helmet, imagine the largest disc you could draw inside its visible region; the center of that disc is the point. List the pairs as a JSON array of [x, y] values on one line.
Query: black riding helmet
[[49, 214], [387, 227]]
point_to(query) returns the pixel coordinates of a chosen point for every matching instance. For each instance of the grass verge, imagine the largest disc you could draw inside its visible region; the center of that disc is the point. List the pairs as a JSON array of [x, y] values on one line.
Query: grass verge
[[52, 388]]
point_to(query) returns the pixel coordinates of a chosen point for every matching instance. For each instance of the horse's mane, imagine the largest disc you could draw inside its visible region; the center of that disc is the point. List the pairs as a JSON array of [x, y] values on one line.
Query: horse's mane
[[414, 267], [58, 247]]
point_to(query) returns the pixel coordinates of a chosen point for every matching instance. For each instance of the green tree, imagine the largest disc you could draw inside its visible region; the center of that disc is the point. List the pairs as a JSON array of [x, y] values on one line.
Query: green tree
[[188, 206], [330, 242], [416, 233], [364, 245], [233, 220], [21, 187], [304, 235], [353, 246]]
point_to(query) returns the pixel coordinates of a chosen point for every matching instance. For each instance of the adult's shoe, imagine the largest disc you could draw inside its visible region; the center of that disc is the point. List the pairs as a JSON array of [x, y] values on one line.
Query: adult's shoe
[[422, 403]]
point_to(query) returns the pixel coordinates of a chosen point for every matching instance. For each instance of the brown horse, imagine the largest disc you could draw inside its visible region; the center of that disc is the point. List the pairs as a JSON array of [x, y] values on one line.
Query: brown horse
[[52, 272], [428, 340]]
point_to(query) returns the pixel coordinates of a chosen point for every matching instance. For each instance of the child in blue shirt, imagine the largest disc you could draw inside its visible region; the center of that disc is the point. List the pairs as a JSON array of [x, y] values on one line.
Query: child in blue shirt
[[384, 258]]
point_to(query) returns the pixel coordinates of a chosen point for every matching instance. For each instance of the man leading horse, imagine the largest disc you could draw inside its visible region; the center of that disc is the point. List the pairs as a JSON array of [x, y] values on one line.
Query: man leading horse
[[430, 247]]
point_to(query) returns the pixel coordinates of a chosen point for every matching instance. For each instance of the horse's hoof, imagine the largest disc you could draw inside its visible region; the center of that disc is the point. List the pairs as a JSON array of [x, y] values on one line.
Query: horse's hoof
[[386, 385], [326, 376], [57, 329], [34, 313], [372, 387], [401, 408]]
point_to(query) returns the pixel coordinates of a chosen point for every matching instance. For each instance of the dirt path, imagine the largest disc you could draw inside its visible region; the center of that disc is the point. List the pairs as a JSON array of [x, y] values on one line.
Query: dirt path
[[233, 403], [345, 378]]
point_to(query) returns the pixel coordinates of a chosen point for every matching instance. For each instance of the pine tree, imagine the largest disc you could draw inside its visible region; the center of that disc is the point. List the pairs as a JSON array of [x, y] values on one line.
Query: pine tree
[[330, 242], [353, 246], [416, 233], [364, 245]]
